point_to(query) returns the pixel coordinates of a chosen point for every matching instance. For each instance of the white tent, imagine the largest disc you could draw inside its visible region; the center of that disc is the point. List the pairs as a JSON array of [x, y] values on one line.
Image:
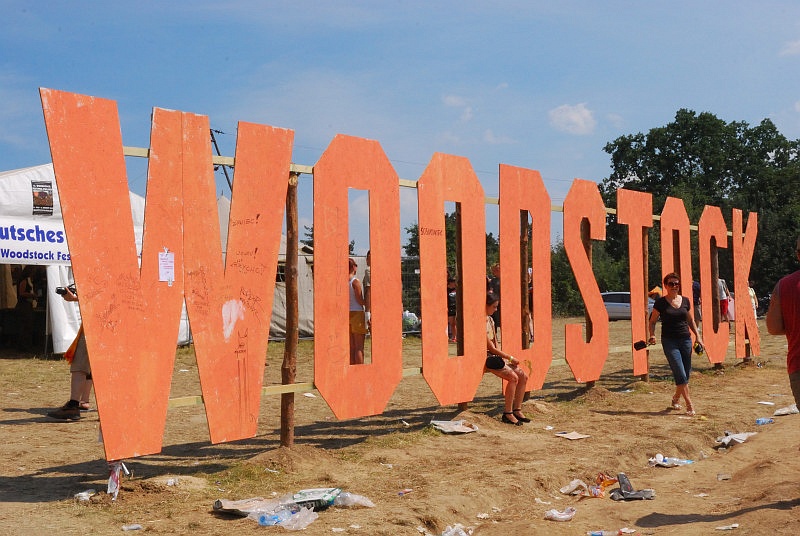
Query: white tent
[[32, 232]]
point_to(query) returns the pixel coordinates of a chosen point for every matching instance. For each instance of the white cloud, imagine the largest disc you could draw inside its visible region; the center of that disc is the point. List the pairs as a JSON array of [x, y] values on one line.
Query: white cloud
[[577, 119], [797, 106], [792, 48], [448, 137], [490, 138], [616, 120], [454, 101]]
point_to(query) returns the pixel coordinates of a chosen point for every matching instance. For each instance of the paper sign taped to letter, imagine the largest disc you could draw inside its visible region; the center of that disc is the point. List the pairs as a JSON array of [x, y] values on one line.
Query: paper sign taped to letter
[[166, 266]]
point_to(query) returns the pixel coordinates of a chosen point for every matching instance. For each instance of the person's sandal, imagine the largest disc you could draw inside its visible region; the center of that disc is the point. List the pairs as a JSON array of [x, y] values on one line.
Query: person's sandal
[[676, 404], [506, 420], [520, 416], [690, 411]]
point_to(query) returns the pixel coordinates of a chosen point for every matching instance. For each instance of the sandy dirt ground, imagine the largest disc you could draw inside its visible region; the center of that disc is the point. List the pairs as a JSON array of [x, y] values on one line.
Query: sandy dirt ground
[[498, 480]]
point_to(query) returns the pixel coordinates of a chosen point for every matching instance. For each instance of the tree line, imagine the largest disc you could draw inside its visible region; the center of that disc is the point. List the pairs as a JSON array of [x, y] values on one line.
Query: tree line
[[702, 160]]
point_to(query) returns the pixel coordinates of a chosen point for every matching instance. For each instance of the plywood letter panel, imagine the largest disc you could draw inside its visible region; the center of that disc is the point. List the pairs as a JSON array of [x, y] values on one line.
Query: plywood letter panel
[[585, 357], [130, 318], [676, 249], [711, 226], [364, 389], [743, 249], [634, 209], [230, 309], [523, 190], [451, 178]]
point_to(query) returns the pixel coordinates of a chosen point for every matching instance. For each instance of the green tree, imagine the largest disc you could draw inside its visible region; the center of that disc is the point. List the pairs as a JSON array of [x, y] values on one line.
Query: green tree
[[450, 234], [567, 300], [706, 161]]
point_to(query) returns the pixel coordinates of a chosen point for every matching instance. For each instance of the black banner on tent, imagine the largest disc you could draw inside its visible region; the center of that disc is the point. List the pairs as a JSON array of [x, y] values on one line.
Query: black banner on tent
[[42, 198]]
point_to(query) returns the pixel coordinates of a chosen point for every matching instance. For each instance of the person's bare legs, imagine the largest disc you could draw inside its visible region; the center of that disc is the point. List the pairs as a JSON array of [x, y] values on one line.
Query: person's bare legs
[[77, 386], [519, 393], [682, 391], [86, 392], [510, 394], [689, 406], [357, 348]]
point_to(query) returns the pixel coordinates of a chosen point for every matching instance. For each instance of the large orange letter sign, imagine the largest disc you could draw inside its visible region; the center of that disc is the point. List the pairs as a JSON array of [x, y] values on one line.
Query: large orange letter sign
[[743, 248], [356, 390], [583, 203], [130, 318], [131, 308], [230, 308], [634, 209], [451, 178], [676, 249], [523, 189], [711, 226]]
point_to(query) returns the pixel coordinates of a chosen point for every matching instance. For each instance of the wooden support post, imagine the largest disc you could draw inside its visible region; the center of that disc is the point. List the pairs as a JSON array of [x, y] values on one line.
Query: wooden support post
[[289, 367], [646, 259], [715, 307]]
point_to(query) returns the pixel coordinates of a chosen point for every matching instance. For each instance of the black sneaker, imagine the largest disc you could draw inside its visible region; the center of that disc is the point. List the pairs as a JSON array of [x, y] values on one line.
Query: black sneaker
[[67, 412]]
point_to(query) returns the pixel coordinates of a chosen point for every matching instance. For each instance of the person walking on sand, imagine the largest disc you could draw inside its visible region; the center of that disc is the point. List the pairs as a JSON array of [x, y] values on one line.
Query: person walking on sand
[[505, 366], [677, 326], [783, 318]]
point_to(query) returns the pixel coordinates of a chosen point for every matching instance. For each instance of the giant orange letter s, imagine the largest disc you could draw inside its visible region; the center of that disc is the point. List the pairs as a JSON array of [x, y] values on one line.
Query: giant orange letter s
[[584, 204], [130, 318]]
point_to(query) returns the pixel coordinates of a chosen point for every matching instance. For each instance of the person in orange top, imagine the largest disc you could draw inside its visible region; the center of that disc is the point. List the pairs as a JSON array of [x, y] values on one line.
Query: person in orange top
[[80, 373]]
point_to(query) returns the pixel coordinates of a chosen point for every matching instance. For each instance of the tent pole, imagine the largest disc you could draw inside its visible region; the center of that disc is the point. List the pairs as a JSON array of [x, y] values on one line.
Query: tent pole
[[46, 322], [289, 367]]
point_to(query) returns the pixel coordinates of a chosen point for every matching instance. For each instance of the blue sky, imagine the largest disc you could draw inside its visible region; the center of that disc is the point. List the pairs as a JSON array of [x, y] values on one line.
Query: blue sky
[[542, 85]]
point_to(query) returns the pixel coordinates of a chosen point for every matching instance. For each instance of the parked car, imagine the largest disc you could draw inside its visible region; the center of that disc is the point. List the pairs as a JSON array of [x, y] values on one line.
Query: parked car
[[618, 305]]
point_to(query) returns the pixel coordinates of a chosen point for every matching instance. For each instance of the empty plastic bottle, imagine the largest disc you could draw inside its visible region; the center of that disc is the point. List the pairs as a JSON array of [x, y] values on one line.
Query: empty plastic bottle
[[555, 515], [764, 420], [275, 518], [668, 460], [676, 461]]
